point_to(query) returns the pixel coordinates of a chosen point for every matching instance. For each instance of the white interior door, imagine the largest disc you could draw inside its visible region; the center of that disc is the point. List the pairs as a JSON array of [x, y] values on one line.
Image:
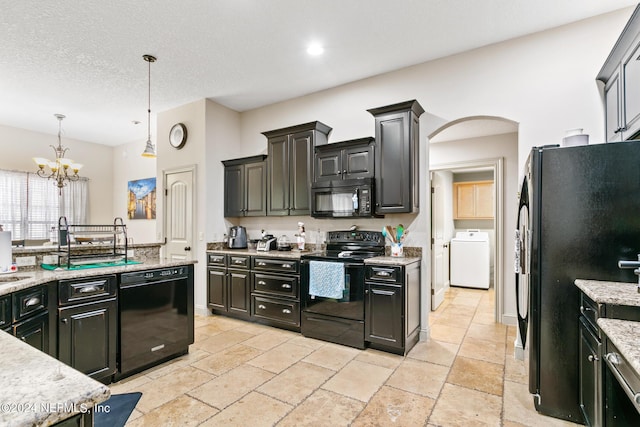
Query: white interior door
[[178, 225], [439, 258]]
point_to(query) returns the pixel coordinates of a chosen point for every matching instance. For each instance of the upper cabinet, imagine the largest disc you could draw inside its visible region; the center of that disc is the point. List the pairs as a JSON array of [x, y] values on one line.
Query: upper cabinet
[[290, 167], [345, 160], [473, 200], [397, 160], [245, 186], [621, 77]]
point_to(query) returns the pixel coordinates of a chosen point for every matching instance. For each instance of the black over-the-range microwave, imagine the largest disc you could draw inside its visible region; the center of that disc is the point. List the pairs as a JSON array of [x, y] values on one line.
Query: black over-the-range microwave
[[343, 198]]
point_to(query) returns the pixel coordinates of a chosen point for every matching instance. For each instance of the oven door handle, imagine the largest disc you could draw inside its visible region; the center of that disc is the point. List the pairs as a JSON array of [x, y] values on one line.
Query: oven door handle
[[346, 264]]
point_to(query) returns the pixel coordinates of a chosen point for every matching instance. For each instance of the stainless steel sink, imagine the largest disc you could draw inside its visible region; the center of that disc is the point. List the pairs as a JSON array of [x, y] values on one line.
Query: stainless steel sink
[[7, 279]]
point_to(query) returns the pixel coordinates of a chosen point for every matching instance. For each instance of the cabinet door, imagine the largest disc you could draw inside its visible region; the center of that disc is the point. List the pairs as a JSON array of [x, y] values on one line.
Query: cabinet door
[[234, 191], [384, 316], [256, 189], [464, 201], [590, 376], [484, 200], [631, 97], [278, 176], [87, 336], [613, 109], [358, 162], [328, 165], [239, 283], [300, 173], [217, 289], [393, 173], [34, 331]]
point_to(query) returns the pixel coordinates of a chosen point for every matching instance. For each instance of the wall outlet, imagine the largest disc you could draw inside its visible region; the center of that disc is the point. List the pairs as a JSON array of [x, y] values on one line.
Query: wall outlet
[[25, 261], [130, 253], [50, 259], [201, 236]]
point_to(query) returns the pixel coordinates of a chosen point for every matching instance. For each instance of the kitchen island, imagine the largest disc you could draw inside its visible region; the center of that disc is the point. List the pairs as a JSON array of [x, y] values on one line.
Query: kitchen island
[[39, 390], [61, 313]]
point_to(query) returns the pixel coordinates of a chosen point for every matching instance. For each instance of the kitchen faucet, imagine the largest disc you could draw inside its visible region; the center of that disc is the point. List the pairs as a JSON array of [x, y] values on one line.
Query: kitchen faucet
[[632, 264]]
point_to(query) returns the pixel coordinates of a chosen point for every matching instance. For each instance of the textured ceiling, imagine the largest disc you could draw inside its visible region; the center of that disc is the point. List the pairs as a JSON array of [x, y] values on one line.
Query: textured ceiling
[[84, 59]]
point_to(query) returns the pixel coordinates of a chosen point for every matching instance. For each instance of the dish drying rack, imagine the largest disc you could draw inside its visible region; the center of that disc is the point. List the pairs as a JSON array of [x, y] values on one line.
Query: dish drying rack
[[110, 241]]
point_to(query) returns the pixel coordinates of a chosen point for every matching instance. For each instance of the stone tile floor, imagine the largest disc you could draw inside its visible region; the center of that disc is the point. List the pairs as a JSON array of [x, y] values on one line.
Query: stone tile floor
[[243, 374]]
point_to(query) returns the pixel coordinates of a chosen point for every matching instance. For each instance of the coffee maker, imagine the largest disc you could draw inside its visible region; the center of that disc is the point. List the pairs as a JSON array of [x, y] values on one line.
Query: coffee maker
[[237, 238]]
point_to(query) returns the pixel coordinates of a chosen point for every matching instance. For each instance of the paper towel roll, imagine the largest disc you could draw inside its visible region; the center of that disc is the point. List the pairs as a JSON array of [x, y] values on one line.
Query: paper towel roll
[[5, 251]]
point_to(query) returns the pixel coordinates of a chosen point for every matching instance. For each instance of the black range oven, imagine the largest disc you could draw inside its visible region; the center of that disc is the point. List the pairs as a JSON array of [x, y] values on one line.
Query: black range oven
[[333, 287]]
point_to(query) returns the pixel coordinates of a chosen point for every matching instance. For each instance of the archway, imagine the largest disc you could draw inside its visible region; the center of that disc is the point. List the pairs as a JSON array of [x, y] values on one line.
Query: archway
[[478, 144]]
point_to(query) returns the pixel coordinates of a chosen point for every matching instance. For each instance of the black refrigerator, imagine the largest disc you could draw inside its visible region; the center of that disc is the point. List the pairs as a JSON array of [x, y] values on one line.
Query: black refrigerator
[[579, 213]]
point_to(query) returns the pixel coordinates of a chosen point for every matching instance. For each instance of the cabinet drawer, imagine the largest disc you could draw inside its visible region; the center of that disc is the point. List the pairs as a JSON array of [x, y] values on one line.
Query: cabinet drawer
[[591, 312], [275, 264], [273, 284], [275, 309], [5, 311], [216, 259], [29, 301], [86, 289], [239, 261], [384, 273]]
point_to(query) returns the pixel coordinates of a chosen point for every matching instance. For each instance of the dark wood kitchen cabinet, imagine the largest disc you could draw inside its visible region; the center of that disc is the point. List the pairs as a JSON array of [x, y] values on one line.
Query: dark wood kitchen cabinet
[[621, 77], [397, 161], [351, 159], [591, 352], [30, 314], [290, 167], [245, 186], [229, 284], [275, 292], [392, 307], [88, 325]]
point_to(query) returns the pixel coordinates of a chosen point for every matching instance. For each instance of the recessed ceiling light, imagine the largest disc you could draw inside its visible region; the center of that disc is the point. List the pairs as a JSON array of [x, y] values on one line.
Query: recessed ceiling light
[[315, 49]]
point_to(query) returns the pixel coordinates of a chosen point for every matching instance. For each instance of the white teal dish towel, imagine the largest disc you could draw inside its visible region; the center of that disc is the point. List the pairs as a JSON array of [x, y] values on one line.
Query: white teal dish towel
[[326, 279]]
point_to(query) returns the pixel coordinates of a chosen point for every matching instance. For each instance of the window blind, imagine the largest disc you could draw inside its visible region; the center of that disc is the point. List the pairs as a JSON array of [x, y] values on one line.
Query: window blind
[[31, 206]]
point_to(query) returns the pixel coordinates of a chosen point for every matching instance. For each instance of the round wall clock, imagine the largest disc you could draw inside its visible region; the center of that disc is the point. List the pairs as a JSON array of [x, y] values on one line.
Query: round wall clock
[[178, 135]]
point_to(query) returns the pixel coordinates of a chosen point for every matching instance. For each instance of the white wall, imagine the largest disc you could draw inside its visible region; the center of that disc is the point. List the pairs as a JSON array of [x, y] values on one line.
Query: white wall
[[19, 146], [129, 165]]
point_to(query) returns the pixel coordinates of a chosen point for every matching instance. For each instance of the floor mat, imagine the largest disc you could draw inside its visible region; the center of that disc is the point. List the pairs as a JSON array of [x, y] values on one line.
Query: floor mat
[[115, 411]]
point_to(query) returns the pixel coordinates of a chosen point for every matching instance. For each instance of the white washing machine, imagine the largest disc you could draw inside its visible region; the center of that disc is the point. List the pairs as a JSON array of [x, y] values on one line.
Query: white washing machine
[[470, 259]]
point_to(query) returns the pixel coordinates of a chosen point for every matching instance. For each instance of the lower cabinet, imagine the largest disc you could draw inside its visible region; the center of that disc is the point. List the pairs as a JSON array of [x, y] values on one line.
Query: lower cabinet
[[275, 292], [259, 288], [229, 285], [29, 315], [88, 325], [392, 307], [590, 368]]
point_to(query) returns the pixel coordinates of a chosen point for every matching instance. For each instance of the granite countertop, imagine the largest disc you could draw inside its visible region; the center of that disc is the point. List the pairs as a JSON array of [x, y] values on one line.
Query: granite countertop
[[614, 293], [625, 335], [292, 254], [39, 390], [295, 254], [28, 279], [392, 260]]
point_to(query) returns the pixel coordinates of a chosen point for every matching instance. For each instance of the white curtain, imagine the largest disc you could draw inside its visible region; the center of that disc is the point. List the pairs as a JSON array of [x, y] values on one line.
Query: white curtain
[[13, 202], [30, 206]]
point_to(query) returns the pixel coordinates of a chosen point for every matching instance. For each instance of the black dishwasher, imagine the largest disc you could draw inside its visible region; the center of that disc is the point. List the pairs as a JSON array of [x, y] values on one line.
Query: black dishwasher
[[156, 317]]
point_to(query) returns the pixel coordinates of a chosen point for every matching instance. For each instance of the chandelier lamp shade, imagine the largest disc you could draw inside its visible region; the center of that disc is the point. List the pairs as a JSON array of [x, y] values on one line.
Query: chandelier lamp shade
[[61, 170], [150, 149]]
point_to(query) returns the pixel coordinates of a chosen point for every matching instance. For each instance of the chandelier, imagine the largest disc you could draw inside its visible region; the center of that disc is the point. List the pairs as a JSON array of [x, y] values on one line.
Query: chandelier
[[150, 149], [59, 169]]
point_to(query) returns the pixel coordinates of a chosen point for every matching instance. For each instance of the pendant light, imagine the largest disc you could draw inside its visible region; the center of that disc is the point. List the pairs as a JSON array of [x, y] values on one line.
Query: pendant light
[[150, 149]]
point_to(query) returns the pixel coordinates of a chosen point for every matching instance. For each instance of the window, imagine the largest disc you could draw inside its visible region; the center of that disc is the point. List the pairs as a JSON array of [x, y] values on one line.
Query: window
[[30, 206]]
